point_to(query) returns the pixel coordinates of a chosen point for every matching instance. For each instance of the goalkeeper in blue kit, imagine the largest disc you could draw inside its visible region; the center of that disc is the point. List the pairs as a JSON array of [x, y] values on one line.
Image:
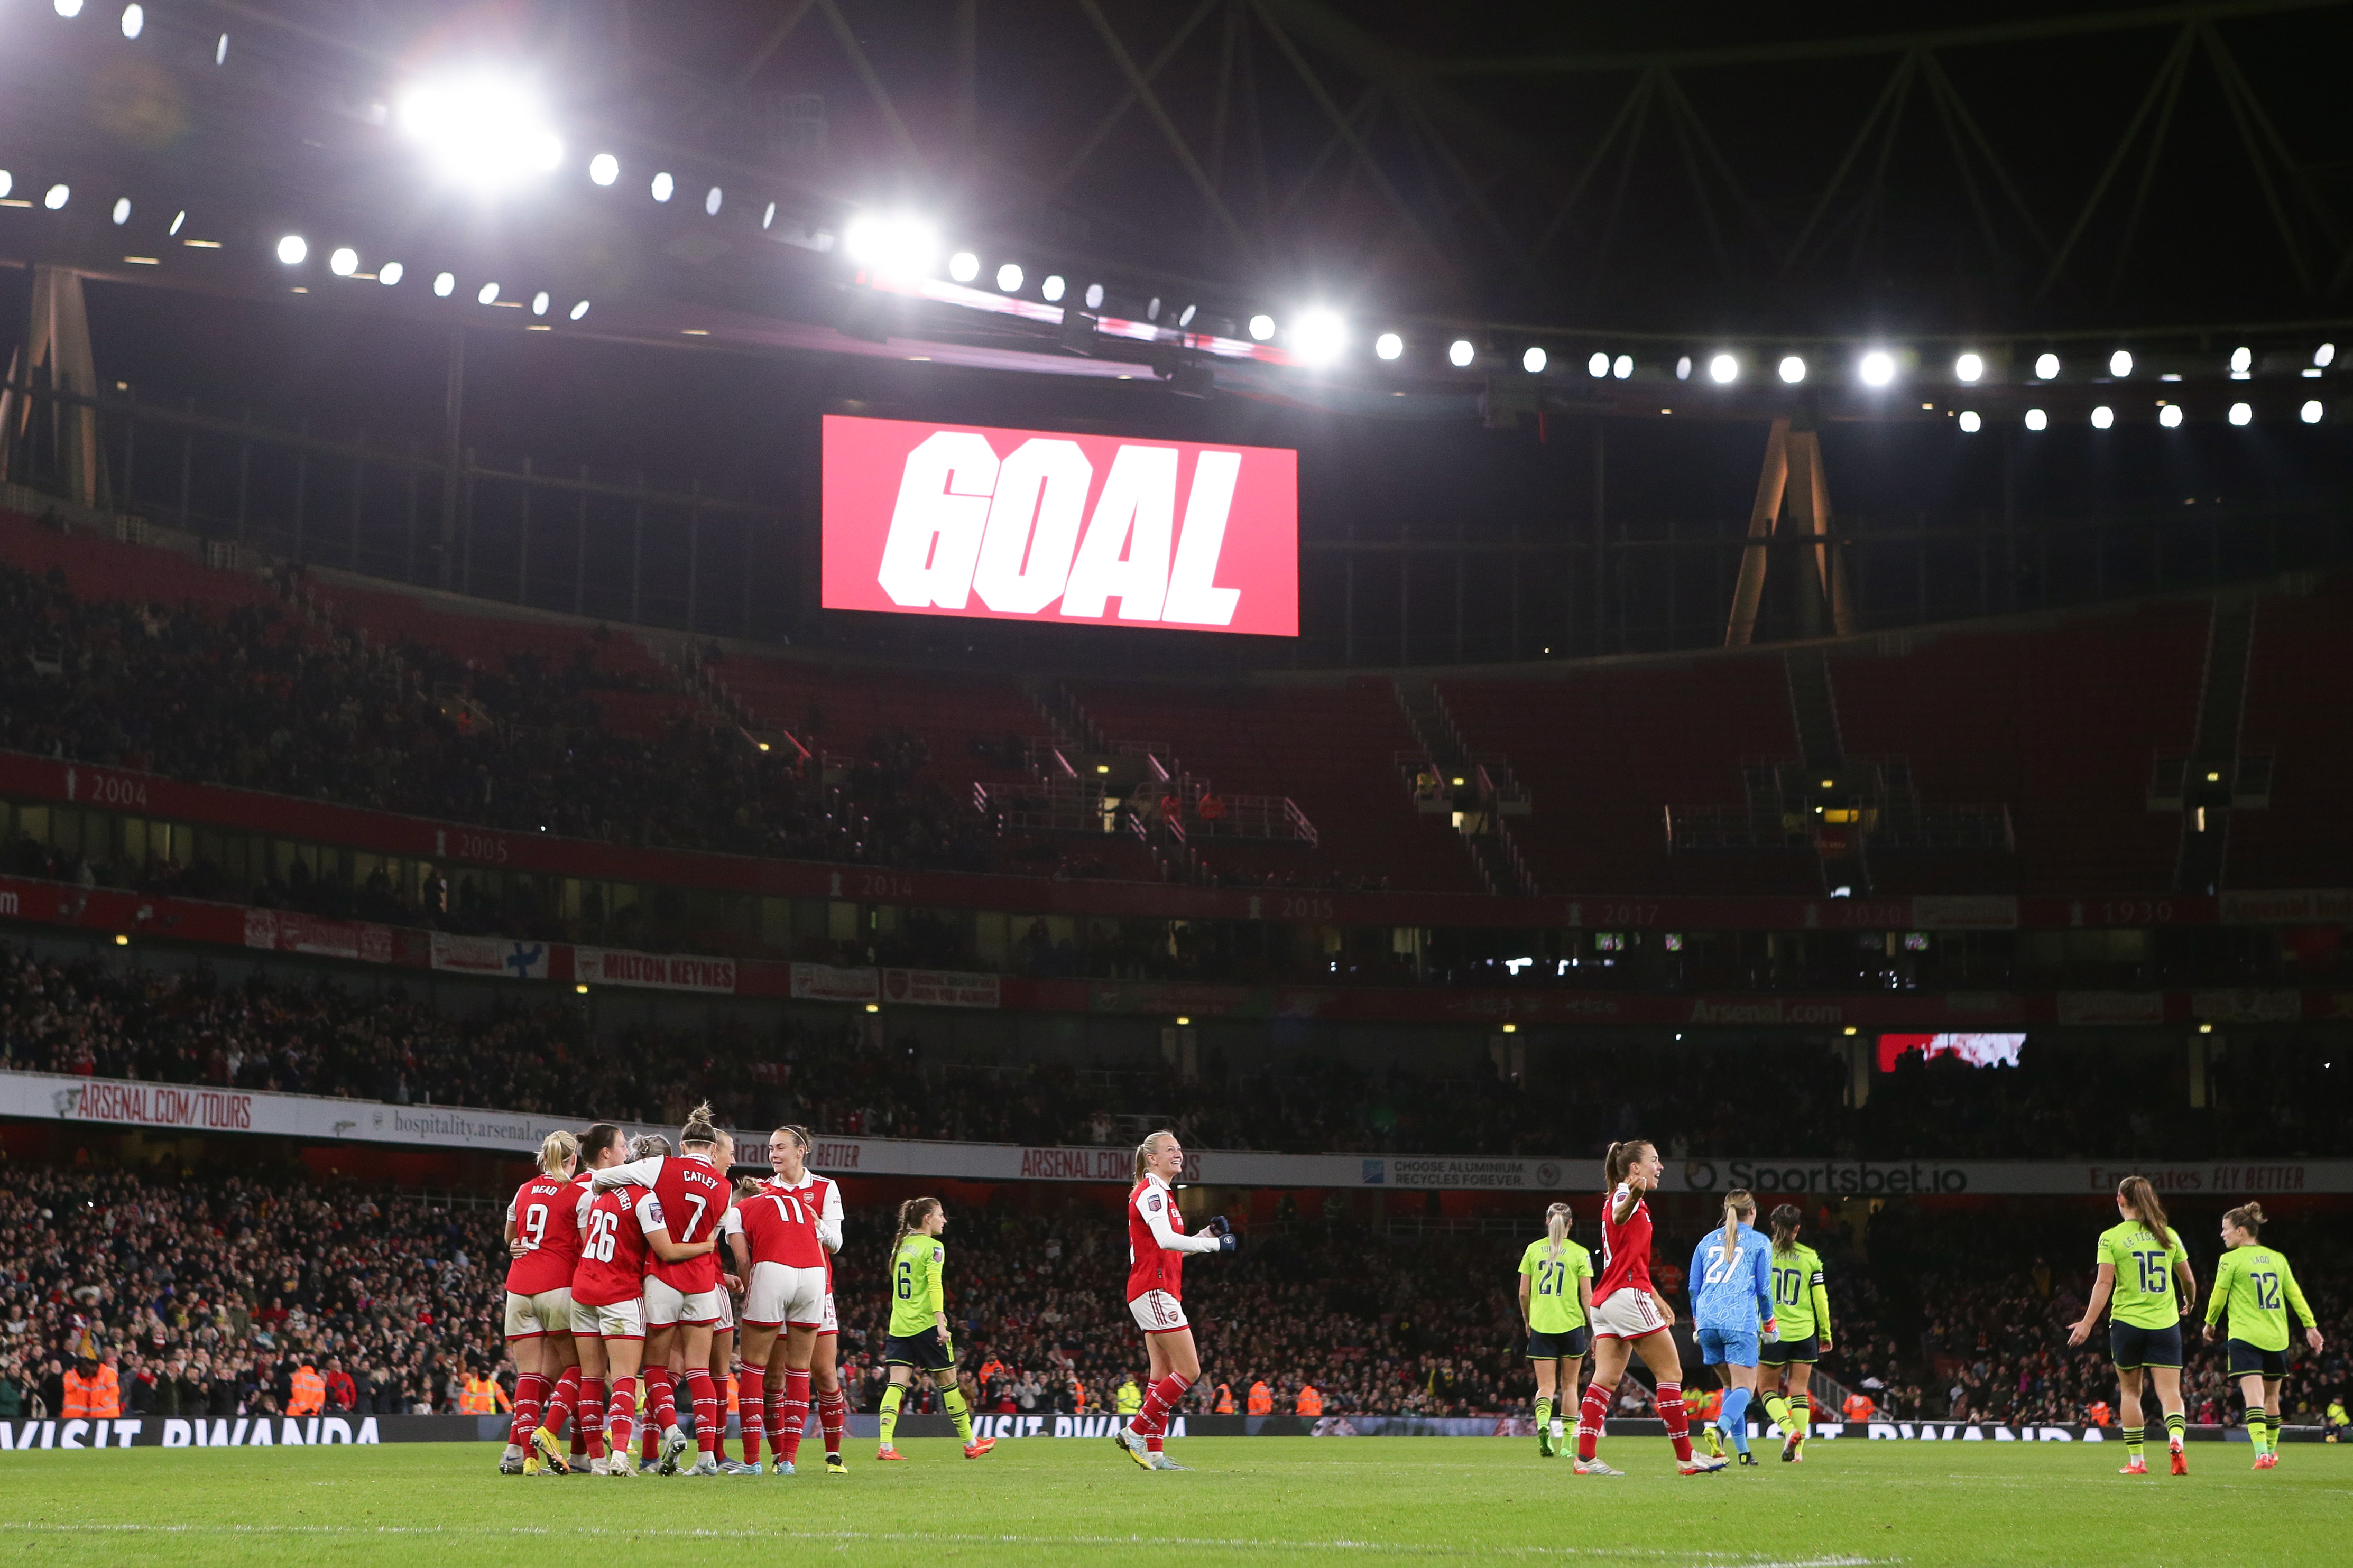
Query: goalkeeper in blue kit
[[1731, 1295]]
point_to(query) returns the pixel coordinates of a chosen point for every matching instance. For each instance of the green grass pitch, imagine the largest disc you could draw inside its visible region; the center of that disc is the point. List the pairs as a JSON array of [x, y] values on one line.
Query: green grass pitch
[[1251, 1500]]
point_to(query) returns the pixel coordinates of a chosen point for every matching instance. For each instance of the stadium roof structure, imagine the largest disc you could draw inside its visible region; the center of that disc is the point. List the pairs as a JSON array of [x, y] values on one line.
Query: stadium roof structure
[[1383, 208]]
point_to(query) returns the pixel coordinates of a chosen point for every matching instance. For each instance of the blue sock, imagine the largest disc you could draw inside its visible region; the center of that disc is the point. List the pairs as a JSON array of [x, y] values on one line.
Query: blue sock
[[1734, 1422]]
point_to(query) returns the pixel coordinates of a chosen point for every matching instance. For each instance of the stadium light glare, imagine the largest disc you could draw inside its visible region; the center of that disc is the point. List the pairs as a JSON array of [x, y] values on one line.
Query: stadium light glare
[[2170, 416], [1261, 326], [662, 187], [768, 219], [1534, 360], [480, 129], [964, 267], [122, 211], [57, 196], [1968, 367], [1598, 365], [1970, 422], [2037, 420], [2102, 417], [604, 169], [539, 304], [1622, 366], [1878, 369], [1460, 352], [1724, 369], [1388, 345], [713, 199], [443, 285], [220, 51], [2242, 414], [293, 249], [2324, 355], [68, 9], [1094, 296], [1319, 335], [1683, 368], [1184, 316], [2242, 363], [343, 262], [1008, 279], [579, 309], [487, 295], [2120, 364], [390, 273], [1053, 287], [2046, 367], [2311, 412], [896, 244], [1793, 369], [134, 21], [177, 218]]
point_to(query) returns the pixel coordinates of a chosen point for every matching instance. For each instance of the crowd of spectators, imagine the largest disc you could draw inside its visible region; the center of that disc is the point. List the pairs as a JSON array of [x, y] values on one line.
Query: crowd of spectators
[[2068, 1098]]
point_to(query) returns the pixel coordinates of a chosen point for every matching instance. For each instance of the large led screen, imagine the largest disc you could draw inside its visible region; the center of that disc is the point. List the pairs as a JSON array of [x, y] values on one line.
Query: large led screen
[[1029, 525], [1978, 1050]]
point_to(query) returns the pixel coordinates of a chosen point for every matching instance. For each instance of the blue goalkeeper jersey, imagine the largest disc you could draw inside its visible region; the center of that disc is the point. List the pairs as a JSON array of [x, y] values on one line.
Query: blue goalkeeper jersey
[[1732, 1294]]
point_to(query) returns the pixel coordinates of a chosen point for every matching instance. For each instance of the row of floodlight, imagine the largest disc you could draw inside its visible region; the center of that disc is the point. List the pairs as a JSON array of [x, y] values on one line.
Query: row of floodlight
[[2171, 416]]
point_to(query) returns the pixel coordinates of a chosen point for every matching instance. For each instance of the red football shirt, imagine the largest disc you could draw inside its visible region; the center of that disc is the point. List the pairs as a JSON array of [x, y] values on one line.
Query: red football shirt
[[544, 1211], [1625, 1250], [694, 1195], [1150, 1266], [781, 1227], [613, 1247]]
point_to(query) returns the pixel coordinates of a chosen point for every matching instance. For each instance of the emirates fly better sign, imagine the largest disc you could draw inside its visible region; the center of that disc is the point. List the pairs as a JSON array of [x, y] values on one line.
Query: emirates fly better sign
[[1028, 525]]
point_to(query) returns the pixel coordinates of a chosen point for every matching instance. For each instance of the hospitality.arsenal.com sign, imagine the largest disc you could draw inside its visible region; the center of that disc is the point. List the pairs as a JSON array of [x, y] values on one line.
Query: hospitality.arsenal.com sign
[[1027, 525]]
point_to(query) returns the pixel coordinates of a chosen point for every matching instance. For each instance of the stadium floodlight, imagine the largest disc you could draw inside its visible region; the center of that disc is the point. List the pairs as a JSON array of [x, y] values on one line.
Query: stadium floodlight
[[604, 169], [2120, 364], [1683, 368], [1388, 345], [487, 295], [1878, 369], [1724, 369], [580, 309], [1151, 308], [2037, 420], [293, 249], [57, 196], [2046, 367], [1622, 366], [134, 21], [7, 183], [964, 267], [2242, 363], [2324, 356], [1460, 352], [480, 129], [178, 218], [1094, 296], [1598, 365], [1533, 361], [2311, 412], [343, 262], [1261, 326], [662, 187], [1793, 369], [2242, 414], [68, 9], [443, 285], [1009, 280], [768, 219], [712, 201], [2102, 416], [1184, 316], [539, 304], [2170, 416], [895, 244], [389, 273], [122, 211], [1968, 367], [1970, 422], [1319, 336], [220, 51], [1051, 289]]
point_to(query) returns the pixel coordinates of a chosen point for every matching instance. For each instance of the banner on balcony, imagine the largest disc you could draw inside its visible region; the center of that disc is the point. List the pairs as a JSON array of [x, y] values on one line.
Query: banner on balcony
[[655, 971], [939, 988], [495, 956], [824, 982]]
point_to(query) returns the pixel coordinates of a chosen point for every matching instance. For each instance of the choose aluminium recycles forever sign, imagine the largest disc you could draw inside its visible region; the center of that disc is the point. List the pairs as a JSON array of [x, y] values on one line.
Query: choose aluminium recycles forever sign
[[123, 1105]]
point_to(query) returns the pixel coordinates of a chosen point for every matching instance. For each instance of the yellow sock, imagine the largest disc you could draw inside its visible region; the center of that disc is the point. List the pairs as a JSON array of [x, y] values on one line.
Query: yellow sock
[[890, 1399], [952, 1399], [1802, 1411]]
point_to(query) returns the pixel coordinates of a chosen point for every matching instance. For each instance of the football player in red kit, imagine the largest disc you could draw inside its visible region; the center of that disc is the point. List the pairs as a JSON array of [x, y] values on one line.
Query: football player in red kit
[[623, 1230], [601, 1144], [778, 1236], [1629, 1316], [1157, 1245], [543, 1242], [824, 1195]]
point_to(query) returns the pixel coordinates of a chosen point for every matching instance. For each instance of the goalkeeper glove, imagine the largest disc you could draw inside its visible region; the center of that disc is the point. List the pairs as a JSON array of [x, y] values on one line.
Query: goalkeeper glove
[[1218, 1225], [1229, 1242]]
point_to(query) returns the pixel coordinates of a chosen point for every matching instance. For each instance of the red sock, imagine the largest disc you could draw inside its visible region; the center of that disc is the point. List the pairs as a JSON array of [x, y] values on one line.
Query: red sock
[[662, 1397], [832, 1415], [794, 1406], [705, 1395], [530, 1391], [1671, 1411], [561, 1402], [751, 1399], [622, 1411], [1152, 1421], [1590, 1415], [589, 1427]]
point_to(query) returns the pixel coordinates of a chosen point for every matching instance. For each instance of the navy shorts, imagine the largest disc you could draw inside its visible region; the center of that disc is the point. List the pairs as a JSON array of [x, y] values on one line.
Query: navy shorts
[[923, 1351], [1549, 1347], [2135, 1348], [1781, 1352], [2245, 1359]]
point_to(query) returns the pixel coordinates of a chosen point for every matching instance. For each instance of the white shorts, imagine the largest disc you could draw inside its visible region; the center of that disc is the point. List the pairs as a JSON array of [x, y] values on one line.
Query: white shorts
[[620, 1319], [584, 1320], [549, 1312], [830, 1324], [725, 1322], [666, 1304], [1627, 1314], [780, 1294], [1158, 1313]]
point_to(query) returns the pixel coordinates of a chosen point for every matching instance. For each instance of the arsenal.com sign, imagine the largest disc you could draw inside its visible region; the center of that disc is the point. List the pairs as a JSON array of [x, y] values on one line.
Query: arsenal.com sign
[[1026, 525]]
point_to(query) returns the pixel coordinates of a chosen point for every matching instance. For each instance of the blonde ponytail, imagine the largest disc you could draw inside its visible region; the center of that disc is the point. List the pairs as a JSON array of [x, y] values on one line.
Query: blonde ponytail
[[556, 1150], [1560, 1237], [1737, 1205], [1144, 1150]]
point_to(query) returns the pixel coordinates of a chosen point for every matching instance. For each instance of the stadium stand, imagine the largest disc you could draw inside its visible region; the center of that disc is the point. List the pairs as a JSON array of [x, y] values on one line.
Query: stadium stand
[[2301, 836]]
